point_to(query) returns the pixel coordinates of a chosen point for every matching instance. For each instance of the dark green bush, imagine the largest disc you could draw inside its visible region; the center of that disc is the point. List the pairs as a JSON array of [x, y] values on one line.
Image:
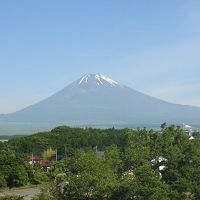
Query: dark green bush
[[11, 197], [3, 182], [40, 177]]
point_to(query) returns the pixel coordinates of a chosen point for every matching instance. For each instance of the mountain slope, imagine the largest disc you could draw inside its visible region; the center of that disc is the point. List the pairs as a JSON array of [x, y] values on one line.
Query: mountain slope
[[96, 98]]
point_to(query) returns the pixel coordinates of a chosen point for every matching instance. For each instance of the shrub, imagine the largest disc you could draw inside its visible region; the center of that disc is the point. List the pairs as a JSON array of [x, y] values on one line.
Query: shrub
[[40, 177], [42, 196], [3, 182], [12, 197]]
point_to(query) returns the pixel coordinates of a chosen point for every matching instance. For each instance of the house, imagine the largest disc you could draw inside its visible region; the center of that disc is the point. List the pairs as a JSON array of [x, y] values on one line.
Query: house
[[34, 159], [38, 160], [3, 140]]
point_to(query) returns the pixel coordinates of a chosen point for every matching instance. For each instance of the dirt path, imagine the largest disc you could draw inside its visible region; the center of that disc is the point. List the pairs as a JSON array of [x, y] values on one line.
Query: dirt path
[[28, 193]]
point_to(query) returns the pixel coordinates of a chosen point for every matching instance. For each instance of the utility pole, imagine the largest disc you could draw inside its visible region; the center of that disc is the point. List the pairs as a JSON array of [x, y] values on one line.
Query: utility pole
[[56, 155], [96, 148], [32, 158], [65, 151]]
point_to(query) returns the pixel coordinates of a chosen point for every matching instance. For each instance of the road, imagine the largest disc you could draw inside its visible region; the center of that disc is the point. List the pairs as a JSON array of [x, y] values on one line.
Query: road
[[28, 193]]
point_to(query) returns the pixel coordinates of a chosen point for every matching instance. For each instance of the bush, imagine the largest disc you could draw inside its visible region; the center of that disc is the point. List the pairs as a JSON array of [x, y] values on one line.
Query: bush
[[3, 182], [18, 177], [42, 196], [40, 177], [14, 169], [11, 197]]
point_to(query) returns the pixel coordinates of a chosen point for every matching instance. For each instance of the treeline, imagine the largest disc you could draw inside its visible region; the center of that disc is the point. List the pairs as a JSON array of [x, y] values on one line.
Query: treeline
[[136, 164], [65, 139]]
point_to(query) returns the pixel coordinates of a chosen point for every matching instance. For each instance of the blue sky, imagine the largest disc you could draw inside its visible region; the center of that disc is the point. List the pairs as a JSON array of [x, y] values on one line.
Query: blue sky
[[152, 46]]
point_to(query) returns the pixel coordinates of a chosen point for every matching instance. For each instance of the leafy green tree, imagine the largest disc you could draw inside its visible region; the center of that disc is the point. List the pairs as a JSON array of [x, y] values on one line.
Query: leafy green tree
[[182, 172], [57, 167], [141, 183], [135, 155], [18, 176], [88, 177], [3, 182], [14, 169], [149, 185], [113, 158]]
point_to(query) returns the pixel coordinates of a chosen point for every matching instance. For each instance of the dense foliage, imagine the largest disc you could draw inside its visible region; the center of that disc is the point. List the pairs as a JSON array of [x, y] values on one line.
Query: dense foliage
[[66, 139], [14, 171], [113, 164]]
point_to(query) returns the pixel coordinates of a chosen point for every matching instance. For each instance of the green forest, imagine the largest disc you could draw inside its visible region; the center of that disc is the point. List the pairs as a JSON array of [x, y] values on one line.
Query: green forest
[[107, 164]]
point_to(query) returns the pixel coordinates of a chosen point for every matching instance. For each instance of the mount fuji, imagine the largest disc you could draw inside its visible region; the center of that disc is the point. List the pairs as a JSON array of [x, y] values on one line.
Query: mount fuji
[[98, 99]]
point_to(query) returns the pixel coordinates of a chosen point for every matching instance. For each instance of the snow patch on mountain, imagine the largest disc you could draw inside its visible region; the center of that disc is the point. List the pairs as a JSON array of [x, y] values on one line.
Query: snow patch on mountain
[[81, 80], [99, 79], [109, 80]]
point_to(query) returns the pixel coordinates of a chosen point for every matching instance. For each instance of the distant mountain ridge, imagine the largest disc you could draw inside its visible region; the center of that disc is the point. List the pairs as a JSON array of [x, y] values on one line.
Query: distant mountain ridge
[[96, 98]]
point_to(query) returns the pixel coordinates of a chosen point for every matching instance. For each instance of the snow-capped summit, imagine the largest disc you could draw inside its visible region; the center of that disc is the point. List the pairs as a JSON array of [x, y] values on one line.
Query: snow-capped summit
[[98, 79]]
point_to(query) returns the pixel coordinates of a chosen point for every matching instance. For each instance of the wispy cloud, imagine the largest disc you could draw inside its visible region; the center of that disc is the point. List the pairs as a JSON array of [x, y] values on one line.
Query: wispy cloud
[[170, 72], [178, 92]]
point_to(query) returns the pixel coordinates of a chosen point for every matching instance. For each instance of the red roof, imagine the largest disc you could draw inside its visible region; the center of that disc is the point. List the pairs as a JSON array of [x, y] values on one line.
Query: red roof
[[34, 158], [44, 163]]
